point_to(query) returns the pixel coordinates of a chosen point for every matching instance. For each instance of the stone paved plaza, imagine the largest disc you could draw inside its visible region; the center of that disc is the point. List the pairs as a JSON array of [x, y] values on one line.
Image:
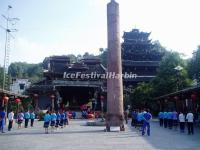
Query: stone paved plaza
[[76, 136]]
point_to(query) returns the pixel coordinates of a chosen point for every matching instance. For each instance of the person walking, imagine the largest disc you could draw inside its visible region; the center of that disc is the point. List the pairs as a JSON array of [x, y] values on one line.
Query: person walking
[[170, 120], [66, 118], [175, 119], [2, 119], [146, 124], [126, 112], [190, 124], [53, 120], [47, 119], [161, 118], [57, 119], [26, 117], [20, 118], [32, 117], [10, 119], [62, 118], [182, 122], [134, 118], [165, 116]]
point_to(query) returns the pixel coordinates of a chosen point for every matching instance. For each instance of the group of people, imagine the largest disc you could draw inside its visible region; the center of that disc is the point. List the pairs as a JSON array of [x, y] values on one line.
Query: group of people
[[20, 118], [171, 119], [141, 119], [55, 120]]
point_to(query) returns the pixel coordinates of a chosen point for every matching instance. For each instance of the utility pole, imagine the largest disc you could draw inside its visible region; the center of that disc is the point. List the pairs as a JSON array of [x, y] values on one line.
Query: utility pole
[[8, 31]]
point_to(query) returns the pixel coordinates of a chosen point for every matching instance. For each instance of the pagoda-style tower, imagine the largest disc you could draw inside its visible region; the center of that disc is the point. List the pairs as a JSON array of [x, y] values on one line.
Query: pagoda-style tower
[[140, 56]]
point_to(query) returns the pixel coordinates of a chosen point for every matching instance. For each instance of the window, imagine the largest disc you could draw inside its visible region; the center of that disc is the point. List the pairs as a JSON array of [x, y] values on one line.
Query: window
[[22, 86]]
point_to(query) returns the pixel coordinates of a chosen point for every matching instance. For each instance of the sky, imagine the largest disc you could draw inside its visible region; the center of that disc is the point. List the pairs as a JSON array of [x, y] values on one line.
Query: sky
[[61, 27]]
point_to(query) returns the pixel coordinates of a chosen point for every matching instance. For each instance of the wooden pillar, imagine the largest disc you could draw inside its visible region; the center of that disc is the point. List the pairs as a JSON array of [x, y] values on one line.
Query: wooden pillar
[[36, 96]]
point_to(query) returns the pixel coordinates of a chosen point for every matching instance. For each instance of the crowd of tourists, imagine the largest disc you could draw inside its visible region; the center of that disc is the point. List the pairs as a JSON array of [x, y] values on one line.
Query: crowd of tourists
[[171, 119], [141, 120]]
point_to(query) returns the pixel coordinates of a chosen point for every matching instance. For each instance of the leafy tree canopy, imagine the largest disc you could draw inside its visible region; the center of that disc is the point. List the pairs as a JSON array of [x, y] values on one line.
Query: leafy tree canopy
[[25, 70]]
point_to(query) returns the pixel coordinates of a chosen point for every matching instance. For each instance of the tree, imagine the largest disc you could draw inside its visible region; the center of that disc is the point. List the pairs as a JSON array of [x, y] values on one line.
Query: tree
[[1, 77], [72, 57], [88, 55], [33, 72], [103, 56], [194, 65], [168, 78], [142, 95]]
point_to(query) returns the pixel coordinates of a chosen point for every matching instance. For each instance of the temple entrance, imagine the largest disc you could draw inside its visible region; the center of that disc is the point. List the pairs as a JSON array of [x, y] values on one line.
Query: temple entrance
[[75, 97]]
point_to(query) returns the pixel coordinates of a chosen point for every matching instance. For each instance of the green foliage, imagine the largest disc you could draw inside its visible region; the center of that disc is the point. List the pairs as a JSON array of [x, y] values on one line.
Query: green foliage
[[27, 104], [103, 56], [142, 95], [194, 65], [24, 70], [168, 80], [72, 57], [1, 77], [40, 115], [7, 79]]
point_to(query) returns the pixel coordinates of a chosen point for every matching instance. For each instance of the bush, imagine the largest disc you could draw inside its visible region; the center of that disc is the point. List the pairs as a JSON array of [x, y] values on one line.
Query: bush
[[40, 115]]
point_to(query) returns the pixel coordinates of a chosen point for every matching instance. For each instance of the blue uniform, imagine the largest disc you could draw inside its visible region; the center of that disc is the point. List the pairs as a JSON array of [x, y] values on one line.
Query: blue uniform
[[62, 118], [57, 119], [147, 118], [161, 115], [32, 115], [26, 115], [47, 119], [161, 118], [53, 119], [140, 117], [165, 115], [2, 120]]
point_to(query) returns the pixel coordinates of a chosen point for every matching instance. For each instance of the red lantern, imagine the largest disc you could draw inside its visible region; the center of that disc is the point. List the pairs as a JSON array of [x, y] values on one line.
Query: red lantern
[[176, 97], [5, 99], [102, 98], [193, 96], [35, 95], [52, 96], [17, 100]]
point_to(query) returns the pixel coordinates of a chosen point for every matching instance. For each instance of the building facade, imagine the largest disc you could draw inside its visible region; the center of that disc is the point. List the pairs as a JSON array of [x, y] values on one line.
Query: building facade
[[19, 86], [140, 57]]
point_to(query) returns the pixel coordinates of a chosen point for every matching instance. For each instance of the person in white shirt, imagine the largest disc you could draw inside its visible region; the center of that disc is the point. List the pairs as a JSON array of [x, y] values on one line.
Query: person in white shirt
[[10, 119], [181, 118], [190, 119]]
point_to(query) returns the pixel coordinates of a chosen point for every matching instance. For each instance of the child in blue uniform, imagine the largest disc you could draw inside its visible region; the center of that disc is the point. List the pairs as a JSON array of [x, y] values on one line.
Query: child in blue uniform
[[165, 116], [47, 119], [161, 118], [32, 117], [26, 117], [62, 118], [57, 119], [53, 120], [66, 118]]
